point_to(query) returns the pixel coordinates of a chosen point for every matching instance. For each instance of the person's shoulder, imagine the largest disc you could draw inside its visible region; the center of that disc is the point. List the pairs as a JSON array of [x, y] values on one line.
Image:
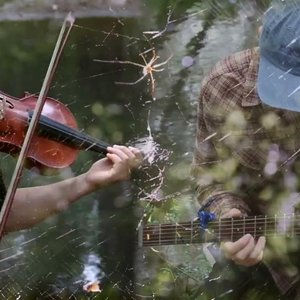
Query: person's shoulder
[[235, 64]]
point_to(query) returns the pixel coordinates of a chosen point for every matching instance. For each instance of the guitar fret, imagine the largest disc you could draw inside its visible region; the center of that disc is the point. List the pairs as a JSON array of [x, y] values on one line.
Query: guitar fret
[[288, 226], [220, 230], [197, 233], [254, 234], [265, 226], [293, 225], [275, 225], [140, 235], [231, 229], [159, 235], [191, 235]]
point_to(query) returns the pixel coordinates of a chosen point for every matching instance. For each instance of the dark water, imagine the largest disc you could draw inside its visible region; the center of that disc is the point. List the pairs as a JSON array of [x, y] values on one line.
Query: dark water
[[95, 239]]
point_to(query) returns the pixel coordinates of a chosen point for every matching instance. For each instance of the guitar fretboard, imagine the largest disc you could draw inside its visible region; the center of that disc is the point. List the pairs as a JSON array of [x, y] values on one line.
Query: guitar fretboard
[[229, 229]]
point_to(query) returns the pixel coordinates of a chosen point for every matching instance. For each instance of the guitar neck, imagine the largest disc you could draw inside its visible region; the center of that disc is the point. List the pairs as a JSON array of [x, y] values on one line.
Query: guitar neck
[[229, 229]]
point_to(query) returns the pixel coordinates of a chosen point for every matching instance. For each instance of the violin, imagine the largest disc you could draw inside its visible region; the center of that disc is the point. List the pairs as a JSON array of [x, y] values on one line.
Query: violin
[[57, 140]]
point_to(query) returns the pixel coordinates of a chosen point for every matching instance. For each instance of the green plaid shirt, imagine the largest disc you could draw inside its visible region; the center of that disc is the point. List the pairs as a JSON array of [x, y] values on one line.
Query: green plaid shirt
[[246, 153]]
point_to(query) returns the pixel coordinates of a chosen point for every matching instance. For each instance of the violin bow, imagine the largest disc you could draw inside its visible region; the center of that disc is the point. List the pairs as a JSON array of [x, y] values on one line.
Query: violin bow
[[11, 190]]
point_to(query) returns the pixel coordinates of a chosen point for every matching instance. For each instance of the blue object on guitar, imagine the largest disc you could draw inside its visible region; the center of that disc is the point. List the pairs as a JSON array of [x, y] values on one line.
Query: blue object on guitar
[[205, 217]]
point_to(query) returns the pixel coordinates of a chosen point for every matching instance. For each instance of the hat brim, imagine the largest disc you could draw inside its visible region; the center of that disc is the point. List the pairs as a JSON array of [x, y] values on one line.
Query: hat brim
[[278, 88]]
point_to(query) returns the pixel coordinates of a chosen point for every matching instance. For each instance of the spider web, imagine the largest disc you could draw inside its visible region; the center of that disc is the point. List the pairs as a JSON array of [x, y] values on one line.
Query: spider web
[[133, 80]]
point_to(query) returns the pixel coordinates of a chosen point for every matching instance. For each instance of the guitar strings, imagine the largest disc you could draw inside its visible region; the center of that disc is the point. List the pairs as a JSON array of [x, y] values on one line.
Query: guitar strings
[[231, 227]]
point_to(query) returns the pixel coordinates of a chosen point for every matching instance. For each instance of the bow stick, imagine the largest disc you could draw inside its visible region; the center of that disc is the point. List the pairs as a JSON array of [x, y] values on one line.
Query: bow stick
[[61, 41]]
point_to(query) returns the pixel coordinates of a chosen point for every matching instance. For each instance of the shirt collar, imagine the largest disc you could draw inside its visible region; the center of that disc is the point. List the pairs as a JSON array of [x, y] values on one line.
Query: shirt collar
[[250, 95]]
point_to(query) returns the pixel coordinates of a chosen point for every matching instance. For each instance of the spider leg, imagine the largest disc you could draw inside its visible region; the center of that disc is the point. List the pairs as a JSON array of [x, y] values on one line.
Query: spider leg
[[120, 62], [164, 62], [144, 59], [143, 55], [152, 60], [148, 50], [156, 70], [152, 83], [131, 83]]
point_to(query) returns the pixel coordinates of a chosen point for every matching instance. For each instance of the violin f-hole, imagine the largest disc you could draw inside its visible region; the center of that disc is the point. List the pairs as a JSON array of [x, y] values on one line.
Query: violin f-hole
[[3, 104], [2, 108], [10, 104]]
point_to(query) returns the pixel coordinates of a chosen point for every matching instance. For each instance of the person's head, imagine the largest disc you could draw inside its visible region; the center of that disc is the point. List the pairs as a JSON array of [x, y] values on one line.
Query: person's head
[[279, 68]]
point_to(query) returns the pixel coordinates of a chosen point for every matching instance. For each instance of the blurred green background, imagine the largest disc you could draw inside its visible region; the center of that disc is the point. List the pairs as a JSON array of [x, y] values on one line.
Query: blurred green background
[[95, 239]]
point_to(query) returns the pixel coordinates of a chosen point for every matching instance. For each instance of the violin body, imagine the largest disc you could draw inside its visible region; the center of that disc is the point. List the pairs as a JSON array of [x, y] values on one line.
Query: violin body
[[57, 140]]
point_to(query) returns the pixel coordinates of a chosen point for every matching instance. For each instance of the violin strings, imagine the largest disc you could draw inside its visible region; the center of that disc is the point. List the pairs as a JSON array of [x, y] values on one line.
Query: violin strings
[[72, 133]]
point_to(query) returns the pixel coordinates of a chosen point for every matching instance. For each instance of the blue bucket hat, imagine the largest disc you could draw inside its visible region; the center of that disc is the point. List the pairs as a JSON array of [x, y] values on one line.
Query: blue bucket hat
[[279, 68]]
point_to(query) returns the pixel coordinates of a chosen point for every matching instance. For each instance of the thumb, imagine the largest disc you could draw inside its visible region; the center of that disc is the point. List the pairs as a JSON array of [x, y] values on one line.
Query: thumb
[[234, 212]]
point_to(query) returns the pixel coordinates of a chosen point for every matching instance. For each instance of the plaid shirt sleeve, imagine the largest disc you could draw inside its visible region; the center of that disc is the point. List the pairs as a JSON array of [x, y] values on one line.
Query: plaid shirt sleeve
[[208, 166]]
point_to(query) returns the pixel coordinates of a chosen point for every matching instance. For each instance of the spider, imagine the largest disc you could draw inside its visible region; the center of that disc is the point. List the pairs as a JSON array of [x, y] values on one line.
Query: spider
[[148, 68]]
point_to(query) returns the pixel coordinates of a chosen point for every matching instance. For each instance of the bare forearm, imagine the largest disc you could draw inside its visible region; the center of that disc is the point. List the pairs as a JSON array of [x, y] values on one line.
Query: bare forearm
[[34, 204]]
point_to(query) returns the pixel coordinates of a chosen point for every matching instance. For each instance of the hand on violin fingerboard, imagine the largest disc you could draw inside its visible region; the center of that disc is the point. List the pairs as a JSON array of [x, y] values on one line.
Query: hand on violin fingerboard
[[116, 166]]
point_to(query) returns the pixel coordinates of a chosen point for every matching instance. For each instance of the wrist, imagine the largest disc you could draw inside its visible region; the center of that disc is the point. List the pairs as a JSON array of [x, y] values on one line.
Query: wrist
[[81, 186], [91, 182]]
